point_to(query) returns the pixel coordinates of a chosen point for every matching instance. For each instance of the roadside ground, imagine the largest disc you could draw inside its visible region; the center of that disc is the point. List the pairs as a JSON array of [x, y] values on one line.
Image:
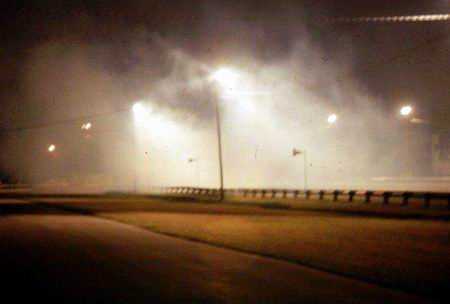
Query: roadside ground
[[397, 247]]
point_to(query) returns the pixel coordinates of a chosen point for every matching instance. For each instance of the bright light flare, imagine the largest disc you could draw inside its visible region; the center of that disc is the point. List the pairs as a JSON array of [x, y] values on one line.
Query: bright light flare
[[406, 110], [51, 148], [226, 77], [332, 119], [138, 108], [141, 113]]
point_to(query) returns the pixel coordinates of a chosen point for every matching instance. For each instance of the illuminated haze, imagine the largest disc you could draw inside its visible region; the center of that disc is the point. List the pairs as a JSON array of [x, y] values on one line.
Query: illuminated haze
[[281, 101]]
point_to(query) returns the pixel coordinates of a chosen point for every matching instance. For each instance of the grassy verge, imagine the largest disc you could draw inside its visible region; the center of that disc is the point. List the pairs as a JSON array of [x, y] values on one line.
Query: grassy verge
[[410, 254]]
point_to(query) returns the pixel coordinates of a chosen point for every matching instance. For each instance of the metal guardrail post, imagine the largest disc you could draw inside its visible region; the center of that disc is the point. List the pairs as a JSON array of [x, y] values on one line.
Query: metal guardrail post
[[264, 193], [351, 195], [406, 196], [368, 195], [386, 196], [336, 195], [307, 194], [321, 194]]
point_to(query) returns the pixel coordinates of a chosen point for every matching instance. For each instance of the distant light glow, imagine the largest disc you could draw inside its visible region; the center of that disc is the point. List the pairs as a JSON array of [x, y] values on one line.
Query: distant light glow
[[86, 126], [138, 108], [51, 148], [416, 120], [406, 110], [332, 118]]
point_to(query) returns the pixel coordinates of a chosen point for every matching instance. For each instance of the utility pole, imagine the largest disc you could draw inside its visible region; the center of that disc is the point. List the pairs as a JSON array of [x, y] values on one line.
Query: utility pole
[[219, 149], [305, 163], [135, 163]]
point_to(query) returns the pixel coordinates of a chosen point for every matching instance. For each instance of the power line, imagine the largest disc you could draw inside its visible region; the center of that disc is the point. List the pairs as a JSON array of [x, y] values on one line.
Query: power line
[[389, 19], [62, 122]]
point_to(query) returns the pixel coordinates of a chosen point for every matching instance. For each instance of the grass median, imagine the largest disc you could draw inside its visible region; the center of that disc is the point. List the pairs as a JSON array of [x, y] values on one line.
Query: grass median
[[409, 254]]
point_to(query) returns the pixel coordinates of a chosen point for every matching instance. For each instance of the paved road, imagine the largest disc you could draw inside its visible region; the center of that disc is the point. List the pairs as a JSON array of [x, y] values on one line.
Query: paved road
[[53, 255]]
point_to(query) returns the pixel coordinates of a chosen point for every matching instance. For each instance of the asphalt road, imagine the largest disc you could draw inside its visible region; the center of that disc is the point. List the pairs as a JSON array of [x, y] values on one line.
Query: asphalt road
[[53, 255]]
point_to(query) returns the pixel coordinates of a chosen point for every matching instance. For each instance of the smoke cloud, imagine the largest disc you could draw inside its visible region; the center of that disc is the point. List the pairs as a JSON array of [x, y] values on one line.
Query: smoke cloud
[[288, 84]]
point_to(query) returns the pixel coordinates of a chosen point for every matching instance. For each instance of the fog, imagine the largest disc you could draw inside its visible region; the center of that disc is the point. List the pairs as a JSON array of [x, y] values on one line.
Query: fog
[[280, 101]]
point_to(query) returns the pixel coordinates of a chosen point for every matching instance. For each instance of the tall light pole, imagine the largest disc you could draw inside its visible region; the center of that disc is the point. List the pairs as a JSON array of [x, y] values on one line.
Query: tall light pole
[[219, 149], [227, 80]]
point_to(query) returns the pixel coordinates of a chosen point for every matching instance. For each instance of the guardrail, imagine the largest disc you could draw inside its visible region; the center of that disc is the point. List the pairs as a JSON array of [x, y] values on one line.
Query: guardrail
[[367, 196]]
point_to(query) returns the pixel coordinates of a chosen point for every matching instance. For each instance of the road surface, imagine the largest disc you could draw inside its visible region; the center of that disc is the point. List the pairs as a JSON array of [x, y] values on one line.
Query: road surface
[[53, 255]]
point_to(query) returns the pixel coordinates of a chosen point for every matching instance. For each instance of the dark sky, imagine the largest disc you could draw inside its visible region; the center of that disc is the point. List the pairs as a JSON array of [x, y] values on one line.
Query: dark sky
[[393, 60]]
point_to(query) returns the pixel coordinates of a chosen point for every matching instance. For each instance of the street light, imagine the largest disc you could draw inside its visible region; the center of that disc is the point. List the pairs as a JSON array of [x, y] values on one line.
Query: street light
[[51, 148], [332, 118], [138, 108], [86, 126], [406, 110], [227, 79], [140, 112]]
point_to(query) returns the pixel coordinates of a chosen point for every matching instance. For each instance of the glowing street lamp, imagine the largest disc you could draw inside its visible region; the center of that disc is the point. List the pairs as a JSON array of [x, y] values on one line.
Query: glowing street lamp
[[227, 78], [51, 148], [332, 119], [141, 112], [138, 108], [86, 126], [406, 110]]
